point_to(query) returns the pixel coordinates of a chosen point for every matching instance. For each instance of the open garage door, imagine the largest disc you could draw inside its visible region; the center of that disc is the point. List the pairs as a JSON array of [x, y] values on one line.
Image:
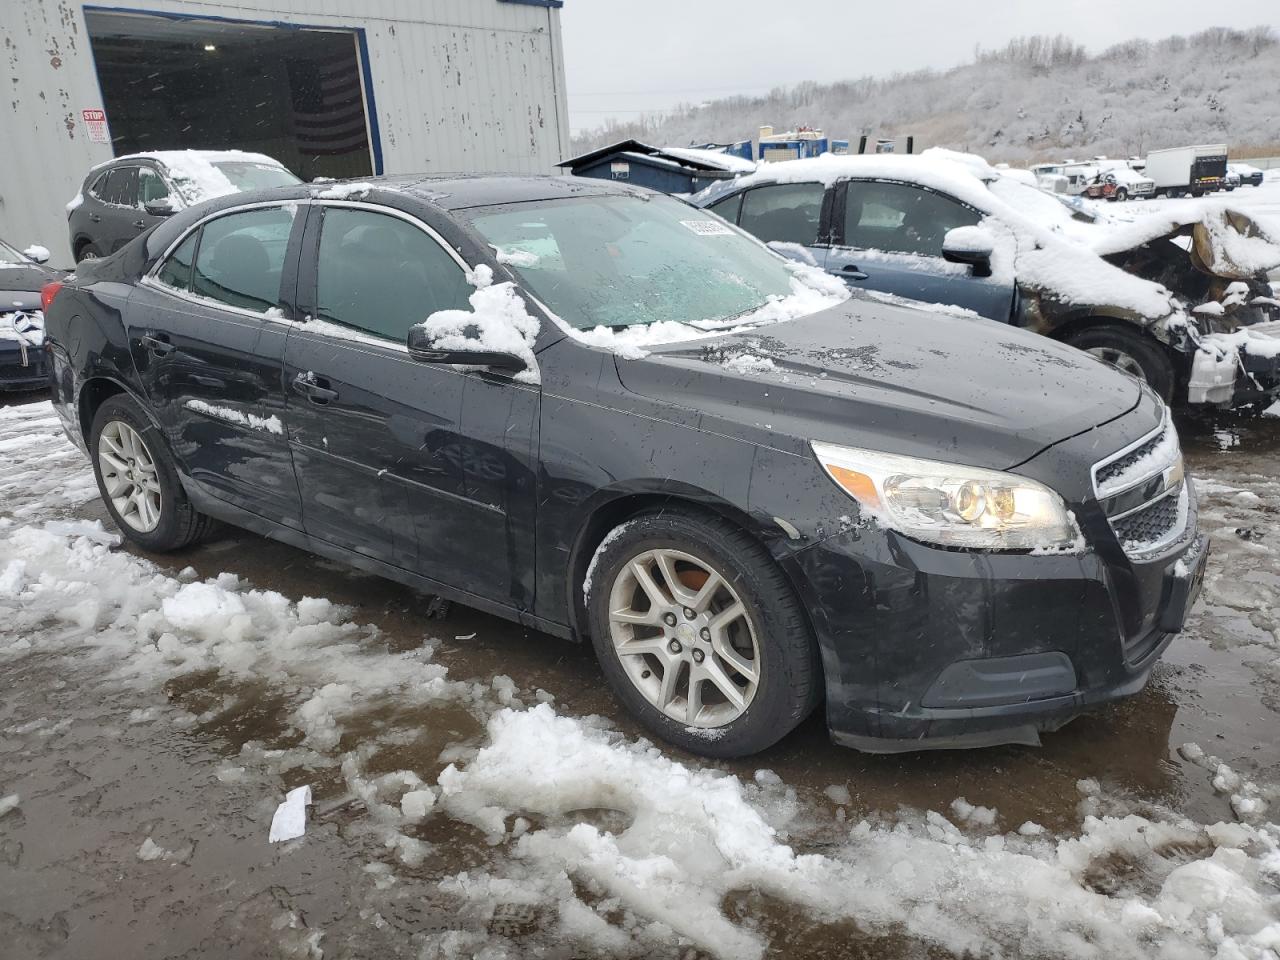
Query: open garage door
[[296, 94]]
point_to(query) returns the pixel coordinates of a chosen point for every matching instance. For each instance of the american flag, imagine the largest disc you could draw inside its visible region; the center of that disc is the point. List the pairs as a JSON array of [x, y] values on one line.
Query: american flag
[[328, 105]]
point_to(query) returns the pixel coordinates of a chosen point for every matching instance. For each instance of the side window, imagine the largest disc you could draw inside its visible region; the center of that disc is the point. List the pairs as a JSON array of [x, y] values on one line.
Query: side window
[[728, 207], [176, 271], [151, 186], [785, 212], [241, 258], [381, 274], [122, 187], [900, 218], [99, 189]]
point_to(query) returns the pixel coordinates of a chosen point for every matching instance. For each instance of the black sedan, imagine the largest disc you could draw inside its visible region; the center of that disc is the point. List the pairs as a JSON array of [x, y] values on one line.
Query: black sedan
[[22, 276], [605, 415]]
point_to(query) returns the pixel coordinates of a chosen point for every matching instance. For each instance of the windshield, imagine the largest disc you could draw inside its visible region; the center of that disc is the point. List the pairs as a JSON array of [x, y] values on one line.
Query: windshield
[[621, 261], [1039, 205], [9, 255], [246, 176]]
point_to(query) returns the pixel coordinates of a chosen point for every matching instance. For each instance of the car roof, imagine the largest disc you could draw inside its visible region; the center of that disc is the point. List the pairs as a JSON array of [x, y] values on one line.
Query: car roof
[[447, 191]]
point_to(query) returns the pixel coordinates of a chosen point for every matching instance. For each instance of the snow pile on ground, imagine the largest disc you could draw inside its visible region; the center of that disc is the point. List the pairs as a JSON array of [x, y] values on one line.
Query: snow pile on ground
[[498, 321], [694, 836]]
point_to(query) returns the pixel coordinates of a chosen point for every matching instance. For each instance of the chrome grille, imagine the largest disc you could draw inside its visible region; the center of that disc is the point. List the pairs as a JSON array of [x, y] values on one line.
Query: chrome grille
[[1143, 492]]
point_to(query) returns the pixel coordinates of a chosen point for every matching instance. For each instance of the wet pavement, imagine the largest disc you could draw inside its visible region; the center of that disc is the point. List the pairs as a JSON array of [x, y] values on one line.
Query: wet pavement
[[146, 787]]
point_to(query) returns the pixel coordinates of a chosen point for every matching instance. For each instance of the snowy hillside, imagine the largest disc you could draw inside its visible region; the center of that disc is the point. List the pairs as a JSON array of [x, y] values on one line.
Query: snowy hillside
[[1037, 98]]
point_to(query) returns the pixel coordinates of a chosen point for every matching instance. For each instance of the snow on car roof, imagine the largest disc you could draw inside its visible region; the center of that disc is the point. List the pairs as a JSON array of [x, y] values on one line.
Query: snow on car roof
[[193, 173]]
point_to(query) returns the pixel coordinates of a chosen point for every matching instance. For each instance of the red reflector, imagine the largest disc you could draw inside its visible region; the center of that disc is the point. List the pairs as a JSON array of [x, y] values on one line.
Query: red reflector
[[48, 292]]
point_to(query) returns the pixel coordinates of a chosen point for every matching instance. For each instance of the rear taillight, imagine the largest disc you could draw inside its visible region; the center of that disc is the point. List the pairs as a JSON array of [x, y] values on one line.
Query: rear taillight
[[48, 292]]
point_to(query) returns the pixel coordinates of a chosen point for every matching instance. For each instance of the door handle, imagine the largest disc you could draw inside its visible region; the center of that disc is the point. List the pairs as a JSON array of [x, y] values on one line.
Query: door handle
[[157, 343], [316, 389], [851, 272], [140, 224], [94, 218]]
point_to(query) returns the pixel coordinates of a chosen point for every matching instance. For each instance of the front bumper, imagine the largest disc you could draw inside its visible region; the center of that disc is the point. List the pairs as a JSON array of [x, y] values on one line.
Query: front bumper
[[927, 648]]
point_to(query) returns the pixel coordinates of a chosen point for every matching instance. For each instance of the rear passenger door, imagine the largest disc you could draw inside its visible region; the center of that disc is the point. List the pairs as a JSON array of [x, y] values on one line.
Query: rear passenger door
[[121, 219], [788, 216], [888, 237], [417, 465], [207, 330]]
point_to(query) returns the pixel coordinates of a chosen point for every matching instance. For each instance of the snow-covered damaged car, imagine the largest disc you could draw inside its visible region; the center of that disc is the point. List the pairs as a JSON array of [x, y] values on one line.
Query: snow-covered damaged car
[[603, 414], [123, 197], [22, 276], [1179, 299]]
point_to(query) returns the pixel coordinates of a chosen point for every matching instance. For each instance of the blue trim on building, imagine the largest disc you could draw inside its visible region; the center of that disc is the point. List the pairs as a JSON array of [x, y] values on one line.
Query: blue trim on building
[[375, 136]]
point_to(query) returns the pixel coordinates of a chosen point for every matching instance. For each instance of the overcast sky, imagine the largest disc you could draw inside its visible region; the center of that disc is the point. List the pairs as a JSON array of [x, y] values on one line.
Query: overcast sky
[[624, 58]]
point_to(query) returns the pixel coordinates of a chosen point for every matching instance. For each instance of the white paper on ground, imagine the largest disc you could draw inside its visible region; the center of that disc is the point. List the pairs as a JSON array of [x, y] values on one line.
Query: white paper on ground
[[290, 820]]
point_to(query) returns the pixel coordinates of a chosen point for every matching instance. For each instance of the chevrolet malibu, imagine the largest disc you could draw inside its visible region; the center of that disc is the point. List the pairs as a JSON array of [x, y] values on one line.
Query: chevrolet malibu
[[607, 416]]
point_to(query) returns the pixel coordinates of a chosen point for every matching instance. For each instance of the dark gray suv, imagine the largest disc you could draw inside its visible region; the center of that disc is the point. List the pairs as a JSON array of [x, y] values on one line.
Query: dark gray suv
[[122, 198]]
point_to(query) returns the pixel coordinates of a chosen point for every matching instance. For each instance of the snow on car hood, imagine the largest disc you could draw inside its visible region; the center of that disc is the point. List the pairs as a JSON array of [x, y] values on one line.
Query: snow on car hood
[[1030, 244]]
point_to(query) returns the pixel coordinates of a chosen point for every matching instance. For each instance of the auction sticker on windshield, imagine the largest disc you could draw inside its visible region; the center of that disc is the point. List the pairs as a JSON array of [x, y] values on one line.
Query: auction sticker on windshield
[[708, 228]]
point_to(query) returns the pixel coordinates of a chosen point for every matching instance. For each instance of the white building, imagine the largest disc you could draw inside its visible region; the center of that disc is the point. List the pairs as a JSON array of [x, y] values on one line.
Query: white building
[[400, 86]]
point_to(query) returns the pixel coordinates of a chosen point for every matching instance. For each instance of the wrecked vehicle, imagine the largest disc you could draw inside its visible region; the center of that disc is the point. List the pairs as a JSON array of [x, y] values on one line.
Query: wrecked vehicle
[[1199, 323], [604, 415]]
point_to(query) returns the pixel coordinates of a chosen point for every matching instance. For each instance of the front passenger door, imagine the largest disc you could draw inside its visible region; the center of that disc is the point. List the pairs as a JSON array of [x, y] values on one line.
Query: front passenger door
[[888, 237], [420, 466]]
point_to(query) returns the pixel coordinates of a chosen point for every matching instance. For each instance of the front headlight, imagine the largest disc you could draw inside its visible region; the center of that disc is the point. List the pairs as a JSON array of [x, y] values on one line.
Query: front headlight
[[953, 505]]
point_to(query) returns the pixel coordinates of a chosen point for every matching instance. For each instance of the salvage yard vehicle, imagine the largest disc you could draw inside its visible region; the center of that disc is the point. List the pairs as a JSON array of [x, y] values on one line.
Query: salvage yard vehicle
[[1118, 183], [1247, 174], [128, 195], [1179, 171], [600, 413], [1179, 299], [23, 275]]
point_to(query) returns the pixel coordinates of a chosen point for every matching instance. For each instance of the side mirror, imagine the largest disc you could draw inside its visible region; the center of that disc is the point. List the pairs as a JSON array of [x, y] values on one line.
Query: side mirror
[[36, 253], [971, 245], [424, 349], [160, 208]]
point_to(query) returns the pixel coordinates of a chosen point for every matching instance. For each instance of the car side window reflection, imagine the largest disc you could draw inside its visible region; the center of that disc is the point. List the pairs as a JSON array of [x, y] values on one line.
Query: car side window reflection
[[380, 274], [241, 257], [176, 271], [150, 186], [783, 213], [899, 218], [728, 208], [122, 187]]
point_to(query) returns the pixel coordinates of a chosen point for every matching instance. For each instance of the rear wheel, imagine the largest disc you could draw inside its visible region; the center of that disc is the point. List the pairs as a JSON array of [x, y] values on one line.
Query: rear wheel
[[87, 251], [138, 480], [1130, 351], [700, 635]]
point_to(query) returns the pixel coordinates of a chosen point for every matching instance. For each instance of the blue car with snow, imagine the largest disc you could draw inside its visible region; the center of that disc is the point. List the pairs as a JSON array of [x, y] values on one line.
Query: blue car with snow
[[1179, 299]]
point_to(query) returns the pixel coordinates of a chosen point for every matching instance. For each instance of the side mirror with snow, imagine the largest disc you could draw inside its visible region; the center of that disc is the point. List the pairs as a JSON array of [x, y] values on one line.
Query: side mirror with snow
[[971, 245], [425, 349], [36, 253]]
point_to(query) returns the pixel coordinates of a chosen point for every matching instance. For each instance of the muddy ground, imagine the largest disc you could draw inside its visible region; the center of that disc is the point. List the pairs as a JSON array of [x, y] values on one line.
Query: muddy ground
[[145, 793]]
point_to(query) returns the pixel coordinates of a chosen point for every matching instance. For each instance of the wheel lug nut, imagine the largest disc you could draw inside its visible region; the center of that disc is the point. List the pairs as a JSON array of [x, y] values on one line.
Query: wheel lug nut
[[698, 656], [689, 613], [669, 619], [705, 634], [674, 646]]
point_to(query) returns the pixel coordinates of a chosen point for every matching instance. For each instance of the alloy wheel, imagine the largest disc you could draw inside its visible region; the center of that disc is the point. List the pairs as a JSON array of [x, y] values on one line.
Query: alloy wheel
[[129, 476], [1120, 360], [684, 638]]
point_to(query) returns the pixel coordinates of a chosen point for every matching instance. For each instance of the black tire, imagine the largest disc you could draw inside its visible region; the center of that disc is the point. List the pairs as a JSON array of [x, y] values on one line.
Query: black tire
[[790, 672], [180, 524], [87, 251], [1122, 195], [1150, 356]]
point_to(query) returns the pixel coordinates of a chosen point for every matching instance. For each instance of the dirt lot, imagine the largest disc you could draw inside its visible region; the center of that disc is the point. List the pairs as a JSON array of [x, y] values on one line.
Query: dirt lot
[[156, 709]]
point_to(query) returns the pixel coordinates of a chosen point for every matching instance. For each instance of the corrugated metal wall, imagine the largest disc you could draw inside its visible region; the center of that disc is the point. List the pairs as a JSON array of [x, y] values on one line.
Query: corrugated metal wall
[[458, 85]]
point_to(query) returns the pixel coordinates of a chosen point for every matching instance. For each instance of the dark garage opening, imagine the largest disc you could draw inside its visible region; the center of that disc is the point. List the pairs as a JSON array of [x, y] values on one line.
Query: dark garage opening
[[173, 83]]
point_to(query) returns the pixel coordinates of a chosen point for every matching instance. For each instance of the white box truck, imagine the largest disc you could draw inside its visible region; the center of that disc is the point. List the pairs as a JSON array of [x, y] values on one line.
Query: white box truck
[[1181, 170]]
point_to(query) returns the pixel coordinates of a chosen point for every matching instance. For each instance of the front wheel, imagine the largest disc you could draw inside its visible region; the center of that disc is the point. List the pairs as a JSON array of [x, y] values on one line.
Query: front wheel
[[699, 634], [138, 480], [1131, 352], [1122, 195]]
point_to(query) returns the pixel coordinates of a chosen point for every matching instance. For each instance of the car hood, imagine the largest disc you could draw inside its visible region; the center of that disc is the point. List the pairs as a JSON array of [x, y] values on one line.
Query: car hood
[[898, 379], [22, 282], [1225, 242]]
